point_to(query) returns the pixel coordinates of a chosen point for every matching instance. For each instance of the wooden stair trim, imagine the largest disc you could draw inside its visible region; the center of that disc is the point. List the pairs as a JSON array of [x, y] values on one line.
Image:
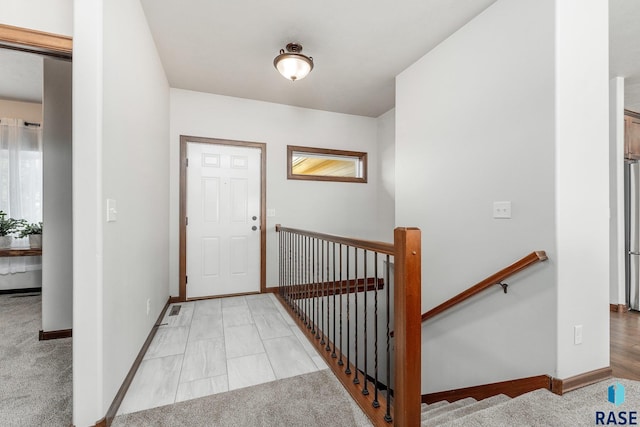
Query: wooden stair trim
[[346, 286], [494, 279], [511, 388]]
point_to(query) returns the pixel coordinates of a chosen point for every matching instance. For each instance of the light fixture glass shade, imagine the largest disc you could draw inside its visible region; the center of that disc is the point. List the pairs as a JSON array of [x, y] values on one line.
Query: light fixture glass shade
[[293, 65]]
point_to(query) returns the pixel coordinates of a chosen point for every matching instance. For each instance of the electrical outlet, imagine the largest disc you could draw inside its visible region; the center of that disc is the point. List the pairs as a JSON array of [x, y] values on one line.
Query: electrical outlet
[[502, 210], [148, 305], [577, 334]]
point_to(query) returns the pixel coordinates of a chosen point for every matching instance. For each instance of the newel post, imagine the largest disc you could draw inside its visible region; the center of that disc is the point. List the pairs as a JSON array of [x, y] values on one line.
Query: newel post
[[407, 325]]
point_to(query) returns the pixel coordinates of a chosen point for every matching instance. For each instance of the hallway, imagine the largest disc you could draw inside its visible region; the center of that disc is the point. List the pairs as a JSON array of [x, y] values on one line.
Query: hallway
[[218, 345]]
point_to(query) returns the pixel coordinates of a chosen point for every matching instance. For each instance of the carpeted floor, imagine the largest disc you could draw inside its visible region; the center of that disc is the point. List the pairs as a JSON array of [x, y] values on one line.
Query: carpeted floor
[[311, 400], [35, 376], [543, 408]]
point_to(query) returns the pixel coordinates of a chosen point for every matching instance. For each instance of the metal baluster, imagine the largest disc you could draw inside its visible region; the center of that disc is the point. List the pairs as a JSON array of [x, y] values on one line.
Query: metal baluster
[[298, 283], [328, 347], [314, 285], [340, 362], [348, 370], [306, 282], [288, 275], [387, 416], [356, 380], [318, 288], [291, 269], [322, 298], [375, 402], [365, 390], [333, 258]]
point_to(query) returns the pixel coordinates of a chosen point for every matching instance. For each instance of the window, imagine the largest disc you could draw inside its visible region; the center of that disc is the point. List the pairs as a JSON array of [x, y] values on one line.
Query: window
[[320, 164]]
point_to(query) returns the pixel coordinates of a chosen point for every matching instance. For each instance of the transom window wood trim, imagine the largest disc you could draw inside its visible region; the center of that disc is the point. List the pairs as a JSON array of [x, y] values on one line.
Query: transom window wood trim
[[323, 164]]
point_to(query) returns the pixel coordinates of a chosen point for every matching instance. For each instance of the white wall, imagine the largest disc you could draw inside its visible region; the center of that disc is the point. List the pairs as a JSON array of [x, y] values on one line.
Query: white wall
[[386, 174], [511, 107], [616, 192], [28, 111], [51, 16], [121, 128], [582, 183], [332, 207], [135, 172], [474, 125], [87, 213], [57, 249]]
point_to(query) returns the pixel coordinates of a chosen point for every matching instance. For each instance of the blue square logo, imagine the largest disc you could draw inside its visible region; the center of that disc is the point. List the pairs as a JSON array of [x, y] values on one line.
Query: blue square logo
[[616, 394]]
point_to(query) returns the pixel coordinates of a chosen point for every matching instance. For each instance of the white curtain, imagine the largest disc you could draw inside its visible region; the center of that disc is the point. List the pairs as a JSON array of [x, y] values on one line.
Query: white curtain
[[20, 184]]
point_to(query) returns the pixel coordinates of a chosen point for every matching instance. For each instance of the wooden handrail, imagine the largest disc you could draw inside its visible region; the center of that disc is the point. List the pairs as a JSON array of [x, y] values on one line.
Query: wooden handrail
[[494, 279], [369, 245]]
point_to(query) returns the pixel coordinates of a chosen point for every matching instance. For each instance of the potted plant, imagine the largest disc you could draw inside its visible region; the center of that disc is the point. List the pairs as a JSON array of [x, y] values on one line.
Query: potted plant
[[34, 232], [8, 226]]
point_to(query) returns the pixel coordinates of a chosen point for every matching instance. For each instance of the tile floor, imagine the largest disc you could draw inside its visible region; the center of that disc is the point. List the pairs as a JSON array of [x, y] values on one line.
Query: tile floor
[[217, 345]]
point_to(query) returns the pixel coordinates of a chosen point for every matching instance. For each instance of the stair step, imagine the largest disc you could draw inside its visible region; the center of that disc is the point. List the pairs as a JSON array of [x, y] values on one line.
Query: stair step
[[458, 413], [448, 407], [535, 404], [431, 406]]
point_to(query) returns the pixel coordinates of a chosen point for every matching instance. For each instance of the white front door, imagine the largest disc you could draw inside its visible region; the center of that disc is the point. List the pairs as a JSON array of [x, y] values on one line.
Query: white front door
[[223, 219]]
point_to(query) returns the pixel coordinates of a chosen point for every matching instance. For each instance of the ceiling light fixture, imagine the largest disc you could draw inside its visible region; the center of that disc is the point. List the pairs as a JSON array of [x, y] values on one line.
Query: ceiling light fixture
[[293, 65]]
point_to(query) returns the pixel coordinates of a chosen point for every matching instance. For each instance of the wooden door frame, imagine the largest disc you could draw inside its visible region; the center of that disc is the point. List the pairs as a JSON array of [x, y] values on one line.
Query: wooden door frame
[[184, 139], [28, 40]]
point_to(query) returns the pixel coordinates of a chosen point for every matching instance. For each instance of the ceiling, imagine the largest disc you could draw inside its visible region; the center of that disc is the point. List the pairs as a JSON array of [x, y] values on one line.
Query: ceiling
[[624, 48], [20, 76], [358, 46]]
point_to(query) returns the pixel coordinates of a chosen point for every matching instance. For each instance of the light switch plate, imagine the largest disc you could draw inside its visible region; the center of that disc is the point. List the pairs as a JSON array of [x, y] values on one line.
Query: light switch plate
[[112, 211], [502, 210]]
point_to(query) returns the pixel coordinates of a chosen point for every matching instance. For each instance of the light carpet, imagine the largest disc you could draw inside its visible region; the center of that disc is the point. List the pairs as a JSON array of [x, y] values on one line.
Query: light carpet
[[35, 376], [543, 408], [311, 400]]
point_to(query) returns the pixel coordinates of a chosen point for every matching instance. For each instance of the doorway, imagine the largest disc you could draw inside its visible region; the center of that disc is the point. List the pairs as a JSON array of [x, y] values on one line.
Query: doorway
[[50, 362], [222, 217]]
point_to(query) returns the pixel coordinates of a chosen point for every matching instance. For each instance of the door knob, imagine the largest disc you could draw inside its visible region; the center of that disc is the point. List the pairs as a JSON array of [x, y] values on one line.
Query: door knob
[[254, 217], [254, 228]]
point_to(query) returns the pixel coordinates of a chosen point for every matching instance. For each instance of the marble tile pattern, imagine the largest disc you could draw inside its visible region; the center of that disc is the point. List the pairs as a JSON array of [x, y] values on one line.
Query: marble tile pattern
[[213, 346]]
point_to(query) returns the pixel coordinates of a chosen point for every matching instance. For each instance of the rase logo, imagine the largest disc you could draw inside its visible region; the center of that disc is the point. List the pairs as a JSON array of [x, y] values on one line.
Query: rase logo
[[615, 395]]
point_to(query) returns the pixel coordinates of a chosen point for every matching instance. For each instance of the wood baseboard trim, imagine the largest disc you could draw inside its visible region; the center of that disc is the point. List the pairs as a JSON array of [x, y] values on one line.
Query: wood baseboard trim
[[117, 400], [173, 300], [560, 387], [618, 308], [20, 291], [101, 423], [511, 388], [273, 290], [54, 335]]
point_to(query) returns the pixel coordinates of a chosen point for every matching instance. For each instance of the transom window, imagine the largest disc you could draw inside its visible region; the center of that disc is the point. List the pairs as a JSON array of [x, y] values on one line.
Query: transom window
[[321, 164]]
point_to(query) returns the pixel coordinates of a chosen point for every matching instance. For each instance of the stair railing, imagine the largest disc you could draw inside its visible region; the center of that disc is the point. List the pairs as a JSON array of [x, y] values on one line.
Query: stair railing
[[339, 291], [495, 279]]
